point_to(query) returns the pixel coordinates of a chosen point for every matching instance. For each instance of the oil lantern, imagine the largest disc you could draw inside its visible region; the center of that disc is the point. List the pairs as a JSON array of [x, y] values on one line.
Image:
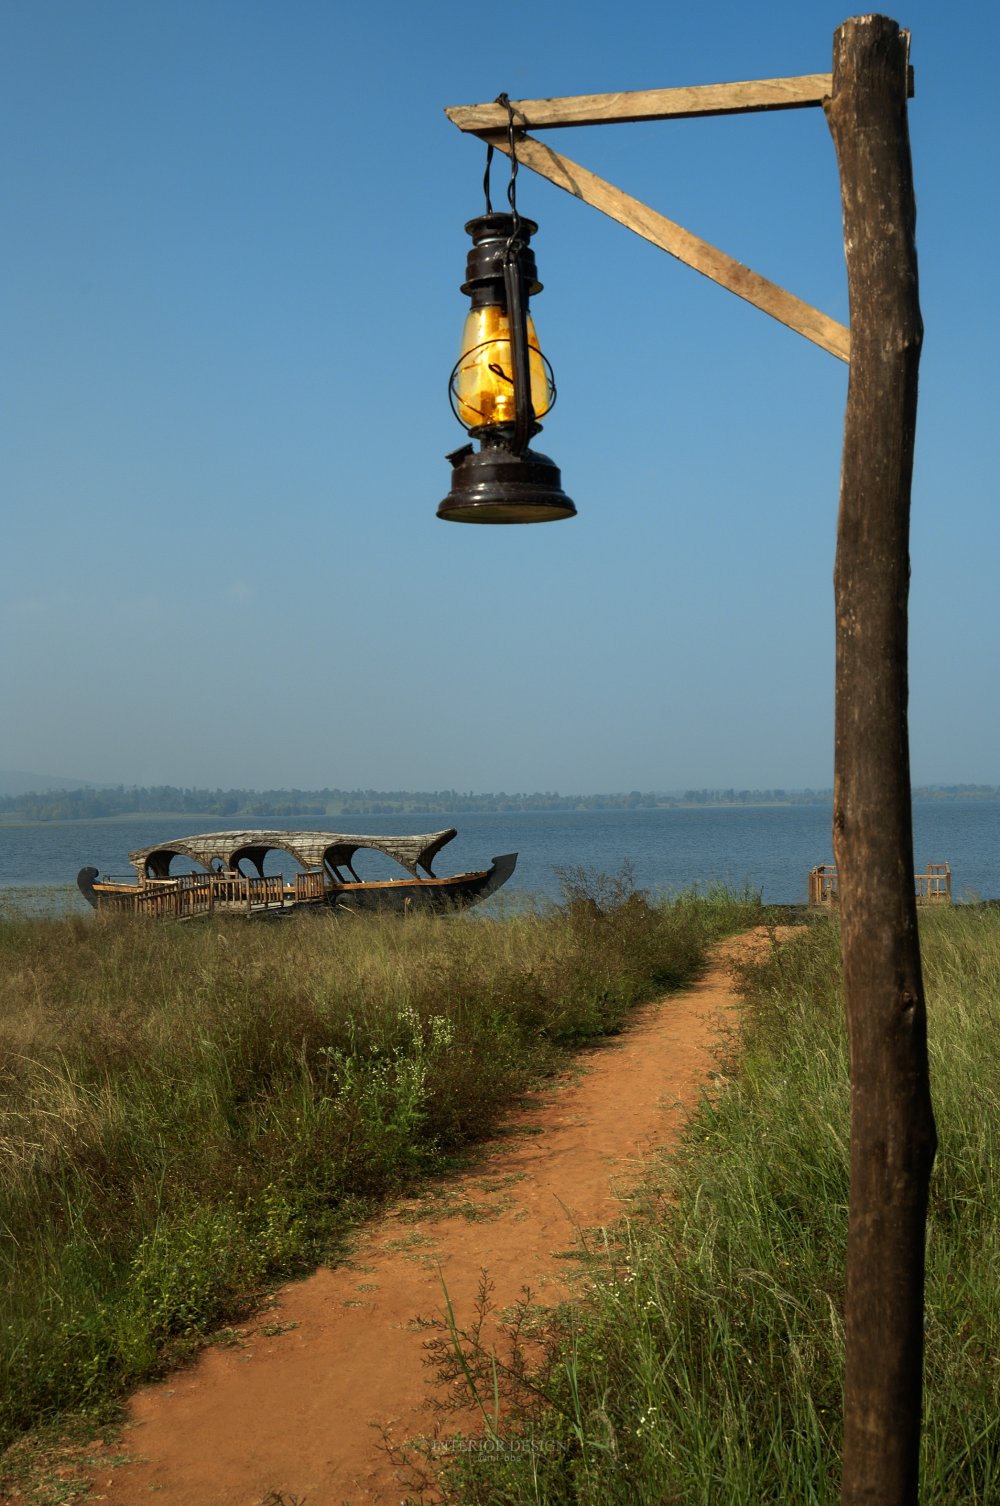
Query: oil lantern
[[502, 385]]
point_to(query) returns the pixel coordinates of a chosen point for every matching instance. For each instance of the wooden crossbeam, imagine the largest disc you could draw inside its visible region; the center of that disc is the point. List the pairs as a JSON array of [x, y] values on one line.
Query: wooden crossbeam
[[649, 104], [678, 242], [753, 95]]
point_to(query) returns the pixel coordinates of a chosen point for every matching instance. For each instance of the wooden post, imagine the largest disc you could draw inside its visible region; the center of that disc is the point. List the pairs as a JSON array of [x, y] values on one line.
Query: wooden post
[[892, 1124]]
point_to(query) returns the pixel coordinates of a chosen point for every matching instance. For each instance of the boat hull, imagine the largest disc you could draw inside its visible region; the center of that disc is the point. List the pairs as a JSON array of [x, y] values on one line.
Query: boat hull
[[201, 894], [438, 896]]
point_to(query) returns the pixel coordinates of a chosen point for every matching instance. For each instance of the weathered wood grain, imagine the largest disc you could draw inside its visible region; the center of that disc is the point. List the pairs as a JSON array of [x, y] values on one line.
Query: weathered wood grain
[[748, 97], [808, 89]]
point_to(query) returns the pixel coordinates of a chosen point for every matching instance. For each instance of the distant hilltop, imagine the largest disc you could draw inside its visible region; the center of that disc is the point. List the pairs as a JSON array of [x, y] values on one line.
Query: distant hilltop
[[57, 801]]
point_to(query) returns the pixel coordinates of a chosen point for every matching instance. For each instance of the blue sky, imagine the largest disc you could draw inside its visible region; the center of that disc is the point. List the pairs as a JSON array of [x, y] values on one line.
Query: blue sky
[[233, 242]]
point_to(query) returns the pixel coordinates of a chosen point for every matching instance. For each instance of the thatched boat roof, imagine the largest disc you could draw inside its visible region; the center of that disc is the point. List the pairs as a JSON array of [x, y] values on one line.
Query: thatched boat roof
[[312, 849]]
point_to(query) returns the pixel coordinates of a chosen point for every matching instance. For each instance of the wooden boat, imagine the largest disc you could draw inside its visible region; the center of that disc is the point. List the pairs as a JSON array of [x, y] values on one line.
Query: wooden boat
[[326, 876]]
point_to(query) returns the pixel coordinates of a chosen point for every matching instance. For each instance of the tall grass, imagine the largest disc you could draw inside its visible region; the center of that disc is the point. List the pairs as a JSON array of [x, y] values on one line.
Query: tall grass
[[191, 1111], [706, 1364]]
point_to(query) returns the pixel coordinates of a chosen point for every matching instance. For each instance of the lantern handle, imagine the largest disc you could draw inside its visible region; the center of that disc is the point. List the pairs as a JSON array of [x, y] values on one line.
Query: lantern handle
[[486, 177], [517, 318], [504, 99]]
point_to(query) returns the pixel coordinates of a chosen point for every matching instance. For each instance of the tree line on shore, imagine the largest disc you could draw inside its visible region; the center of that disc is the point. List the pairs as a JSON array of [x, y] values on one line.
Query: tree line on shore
[[276, 805]]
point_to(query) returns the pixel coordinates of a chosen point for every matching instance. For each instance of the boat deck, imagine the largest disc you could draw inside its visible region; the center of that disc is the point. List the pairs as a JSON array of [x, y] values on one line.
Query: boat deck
[[194, 894]]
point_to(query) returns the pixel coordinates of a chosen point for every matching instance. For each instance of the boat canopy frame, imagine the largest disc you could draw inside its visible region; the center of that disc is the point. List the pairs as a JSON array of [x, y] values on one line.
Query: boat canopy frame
[[223, 851]]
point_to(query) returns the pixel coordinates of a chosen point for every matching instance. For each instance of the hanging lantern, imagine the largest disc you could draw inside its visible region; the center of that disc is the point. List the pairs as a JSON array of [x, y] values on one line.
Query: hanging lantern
[[501, 384]]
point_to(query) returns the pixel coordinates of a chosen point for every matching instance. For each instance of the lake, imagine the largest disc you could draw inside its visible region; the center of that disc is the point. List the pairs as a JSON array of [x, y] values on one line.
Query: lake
[[769, 848]]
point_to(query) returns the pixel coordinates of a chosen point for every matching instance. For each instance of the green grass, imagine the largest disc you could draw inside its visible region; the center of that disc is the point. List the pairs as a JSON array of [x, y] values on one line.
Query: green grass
[[191, 1112], [706, 1364]]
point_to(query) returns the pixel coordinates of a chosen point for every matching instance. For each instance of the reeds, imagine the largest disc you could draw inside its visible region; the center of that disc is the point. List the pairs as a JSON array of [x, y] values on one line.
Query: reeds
[[191, 1112], [706, 1365]]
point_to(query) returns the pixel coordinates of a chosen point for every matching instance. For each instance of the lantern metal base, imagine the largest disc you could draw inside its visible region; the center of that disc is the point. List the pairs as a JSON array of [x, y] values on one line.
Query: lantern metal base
[[493, 485]]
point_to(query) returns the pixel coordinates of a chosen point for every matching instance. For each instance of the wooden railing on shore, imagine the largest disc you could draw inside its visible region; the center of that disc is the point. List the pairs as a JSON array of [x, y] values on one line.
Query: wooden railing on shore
[[191, 894], [932, 887]]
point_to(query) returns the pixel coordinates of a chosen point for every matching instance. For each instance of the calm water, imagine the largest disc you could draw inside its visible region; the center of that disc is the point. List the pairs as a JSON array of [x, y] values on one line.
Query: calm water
[[771, 849]]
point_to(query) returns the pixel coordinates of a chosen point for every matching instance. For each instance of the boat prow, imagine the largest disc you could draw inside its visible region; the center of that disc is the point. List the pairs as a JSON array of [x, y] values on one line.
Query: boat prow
[[437, 895], [501, 870]]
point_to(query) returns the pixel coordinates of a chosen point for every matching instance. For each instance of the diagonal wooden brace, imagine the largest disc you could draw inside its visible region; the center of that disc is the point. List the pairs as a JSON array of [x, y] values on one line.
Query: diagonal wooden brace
[[673, 238]]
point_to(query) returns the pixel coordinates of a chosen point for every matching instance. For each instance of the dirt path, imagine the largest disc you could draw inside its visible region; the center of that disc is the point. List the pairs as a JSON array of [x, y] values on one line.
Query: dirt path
[[291, 1412]]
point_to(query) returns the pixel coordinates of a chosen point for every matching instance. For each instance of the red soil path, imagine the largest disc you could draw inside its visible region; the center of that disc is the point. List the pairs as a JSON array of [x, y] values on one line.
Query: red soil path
[[292, 1412]]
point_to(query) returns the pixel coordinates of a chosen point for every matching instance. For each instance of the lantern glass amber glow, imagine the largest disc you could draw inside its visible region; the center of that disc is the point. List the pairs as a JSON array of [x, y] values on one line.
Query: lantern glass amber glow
[[484, 380]]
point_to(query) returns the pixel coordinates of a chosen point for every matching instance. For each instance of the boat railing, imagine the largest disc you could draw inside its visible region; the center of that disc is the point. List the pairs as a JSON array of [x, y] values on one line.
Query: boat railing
[[193, 899], [160, 899], [266, 892], [187, 894], [151, 897], [309, 886], [246, 891], [228, 888], [932, 887]]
